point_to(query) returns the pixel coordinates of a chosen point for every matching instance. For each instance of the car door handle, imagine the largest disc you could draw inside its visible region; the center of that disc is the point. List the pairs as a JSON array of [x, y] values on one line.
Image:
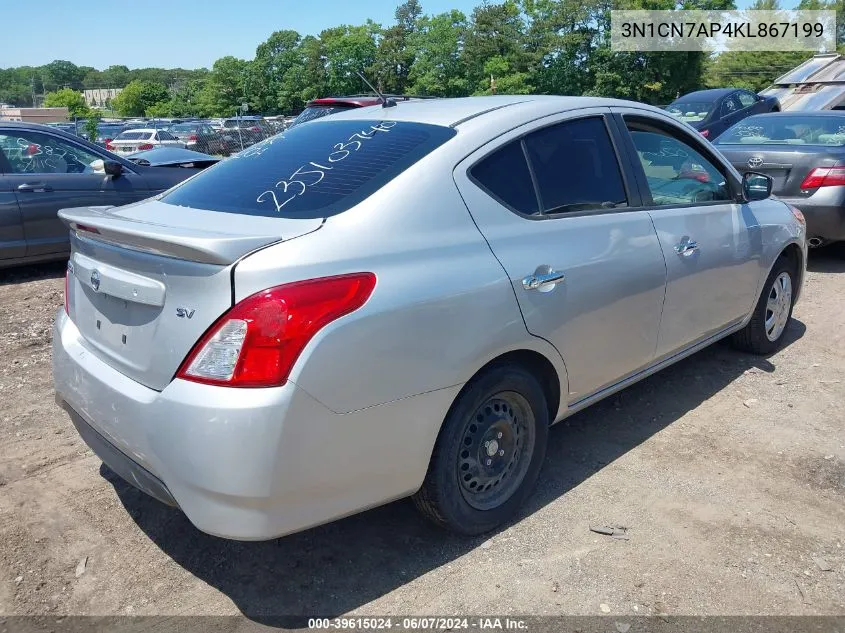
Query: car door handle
[[35, 187], [535, 281], [686, 247]]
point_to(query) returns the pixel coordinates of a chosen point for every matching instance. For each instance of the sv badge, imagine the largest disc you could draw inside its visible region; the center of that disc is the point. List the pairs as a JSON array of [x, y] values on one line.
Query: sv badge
[[184, 313]]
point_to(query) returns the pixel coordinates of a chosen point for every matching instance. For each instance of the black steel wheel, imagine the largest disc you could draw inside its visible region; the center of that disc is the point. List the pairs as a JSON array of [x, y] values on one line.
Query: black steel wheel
[[489, 452]]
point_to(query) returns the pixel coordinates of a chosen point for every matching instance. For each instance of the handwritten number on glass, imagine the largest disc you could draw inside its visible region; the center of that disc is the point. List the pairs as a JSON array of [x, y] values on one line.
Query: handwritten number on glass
[[341, 152]]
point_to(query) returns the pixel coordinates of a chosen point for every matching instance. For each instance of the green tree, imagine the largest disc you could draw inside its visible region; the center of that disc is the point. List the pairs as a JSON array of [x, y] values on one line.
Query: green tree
[[346, 50], [274, 58], [62, 74], [394, 55], [496, 43], [70, 99], [225, 89], [438, 66], [91, 125], [137, 96]]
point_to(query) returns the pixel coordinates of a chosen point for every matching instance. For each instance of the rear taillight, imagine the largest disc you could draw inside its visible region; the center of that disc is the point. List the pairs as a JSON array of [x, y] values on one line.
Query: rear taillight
[[255, 129], [704, 133], [109, 145], [67, 296], [193, 137], [798, 215], [824, 177], [257, 342], [145, 146]]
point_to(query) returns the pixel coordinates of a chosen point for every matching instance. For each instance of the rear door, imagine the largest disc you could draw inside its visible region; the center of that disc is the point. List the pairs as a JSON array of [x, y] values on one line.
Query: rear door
[[12, 242], [585, 265], [49, 173], [711, 243]]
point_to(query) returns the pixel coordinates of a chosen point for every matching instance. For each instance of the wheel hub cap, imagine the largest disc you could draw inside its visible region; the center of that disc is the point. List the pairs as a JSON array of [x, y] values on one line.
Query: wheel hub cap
[[778, 305]]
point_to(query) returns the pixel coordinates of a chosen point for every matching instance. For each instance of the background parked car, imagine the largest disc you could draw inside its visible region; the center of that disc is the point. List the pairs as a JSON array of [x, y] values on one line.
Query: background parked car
[[43, 170], [804, 153], [200, 137], [242, 132], [713, 111], [132, 141], [318, 108]]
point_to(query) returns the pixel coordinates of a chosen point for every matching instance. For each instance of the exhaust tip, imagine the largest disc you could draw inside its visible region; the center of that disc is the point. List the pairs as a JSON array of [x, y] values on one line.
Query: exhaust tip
[[815, 242]]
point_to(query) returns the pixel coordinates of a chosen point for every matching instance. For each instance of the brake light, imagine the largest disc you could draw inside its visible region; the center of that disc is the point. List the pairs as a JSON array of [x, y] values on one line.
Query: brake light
[[257, 342], [145, 146], [704, 133], [86, 228], [109, 145], [193, 137], [255, 129], [824, 177], [798, 215]]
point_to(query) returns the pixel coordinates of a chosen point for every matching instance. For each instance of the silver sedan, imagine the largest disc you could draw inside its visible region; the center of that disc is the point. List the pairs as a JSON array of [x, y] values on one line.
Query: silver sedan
[[400, 301]]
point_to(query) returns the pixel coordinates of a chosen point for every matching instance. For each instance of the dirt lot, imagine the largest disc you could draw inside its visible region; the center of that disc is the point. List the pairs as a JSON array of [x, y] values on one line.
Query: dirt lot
[[728, 470]]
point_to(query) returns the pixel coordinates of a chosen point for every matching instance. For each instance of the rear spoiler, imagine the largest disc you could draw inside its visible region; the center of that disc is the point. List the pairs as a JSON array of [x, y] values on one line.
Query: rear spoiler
[[198, 245]]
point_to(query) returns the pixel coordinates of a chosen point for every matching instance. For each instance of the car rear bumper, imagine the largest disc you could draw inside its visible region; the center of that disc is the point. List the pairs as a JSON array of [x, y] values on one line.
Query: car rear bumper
[[825, 213], [246, 464]]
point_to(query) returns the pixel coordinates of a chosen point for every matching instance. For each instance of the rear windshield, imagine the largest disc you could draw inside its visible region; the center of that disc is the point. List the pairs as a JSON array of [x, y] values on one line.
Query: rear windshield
[[786, 129], [690, 111], [311, 171], [184, 127], [133, 136]]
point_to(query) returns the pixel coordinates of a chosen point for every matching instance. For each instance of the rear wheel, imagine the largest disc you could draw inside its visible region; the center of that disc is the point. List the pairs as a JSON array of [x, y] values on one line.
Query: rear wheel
[[488, 454], [764, 333]]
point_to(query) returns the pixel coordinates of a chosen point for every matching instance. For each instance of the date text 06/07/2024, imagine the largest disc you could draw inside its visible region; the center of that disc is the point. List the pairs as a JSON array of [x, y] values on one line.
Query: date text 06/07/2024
[[418, 623]]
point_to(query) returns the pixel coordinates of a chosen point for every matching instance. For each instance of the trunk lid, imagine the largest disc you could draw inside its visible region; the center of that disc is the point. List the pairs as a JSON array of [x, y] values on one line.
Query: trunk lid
[[787, 165], [147, 280]]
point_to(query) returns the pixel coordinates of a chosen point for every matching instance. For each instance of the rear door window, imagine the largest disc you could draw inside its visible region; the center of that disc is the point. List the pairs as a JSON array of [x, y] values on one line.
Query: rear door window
[[311, 171], [575, 167], [504, 174]]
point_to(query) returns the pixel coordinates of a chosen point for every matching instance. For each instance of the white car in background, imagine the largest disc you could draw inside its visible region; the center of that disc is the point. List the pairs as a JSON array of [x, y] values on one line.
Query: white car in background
[[131, 141]]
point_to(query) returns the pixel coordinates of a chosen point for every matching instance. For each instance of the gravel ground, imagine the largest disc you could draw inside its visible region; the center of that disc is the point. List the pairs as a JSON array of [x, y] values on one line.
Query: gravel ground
[[728, 471]]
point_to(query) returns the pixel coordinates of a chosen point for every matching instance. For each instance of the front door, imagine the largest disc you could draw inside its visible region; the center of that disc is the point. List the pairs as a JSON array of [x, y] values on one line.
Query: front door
[[587, 270], [48, 173], [12, 242], [712, 243]]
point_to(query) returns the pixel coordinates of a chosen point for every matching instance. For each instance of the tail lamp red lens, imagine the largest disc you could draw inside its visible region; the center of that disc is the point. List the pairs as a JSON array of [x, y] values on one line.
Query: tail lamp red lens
[[257, 342], [824, 177], [145, 146]]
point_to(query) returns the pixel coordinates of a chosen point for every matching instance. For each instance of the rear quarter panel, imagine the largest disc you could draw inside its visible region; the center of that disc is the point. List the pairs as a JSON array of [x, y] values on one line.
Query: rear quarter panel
[[779, 229], [442, 307]]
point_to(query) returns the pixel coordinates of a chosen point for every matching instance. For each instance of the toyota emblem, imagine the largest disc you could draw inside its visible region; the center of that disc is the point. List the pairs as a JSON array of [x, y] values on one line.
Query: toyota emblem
[[95, 280], [755, 161]]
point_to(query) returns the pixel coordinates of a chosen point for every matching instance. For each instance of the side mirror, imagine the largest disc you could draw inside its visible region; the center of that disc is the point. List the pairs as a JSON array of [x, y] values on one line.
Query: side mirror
[[112, 168], [756, 186]]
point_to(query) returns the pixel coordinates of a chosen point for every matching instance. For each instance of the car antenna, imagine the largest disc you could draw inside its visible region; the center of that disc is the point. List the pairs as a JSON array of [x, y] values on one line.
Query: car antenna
[[385, 102]]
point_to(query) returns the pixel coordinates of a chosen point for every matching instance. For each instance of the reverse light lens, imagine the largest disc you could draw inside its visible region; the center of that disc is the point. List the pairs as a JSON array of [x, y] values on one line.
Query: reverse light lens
[[824, 177], [257, 342]]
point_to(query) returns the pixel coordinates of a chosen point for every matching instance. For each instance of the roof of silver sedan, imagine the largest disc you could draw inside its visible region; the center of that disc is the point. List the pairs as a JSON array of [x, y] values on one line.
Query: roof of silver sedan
[[453, 112]]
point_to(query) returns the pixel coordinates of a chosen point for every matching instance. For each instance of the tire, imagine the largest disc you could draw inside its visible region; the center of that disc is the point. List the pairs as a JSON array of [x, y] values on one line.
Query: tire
[[776, 302], [488, 454]]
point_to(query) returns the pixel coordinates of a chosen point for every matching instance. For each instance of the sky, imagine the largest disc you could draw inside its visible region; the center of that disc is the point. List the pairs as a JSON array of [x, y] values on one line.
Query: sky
[[175, 34], [182, 33]]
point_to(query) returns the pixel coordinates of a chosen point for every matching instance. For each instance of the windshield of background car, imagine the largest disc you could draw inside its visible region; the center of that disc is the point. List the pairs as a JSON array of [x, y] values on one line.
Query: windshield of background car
[[690, 111], [133, 136], [184, 127], [316, 112], [786, 130], [311, 171]]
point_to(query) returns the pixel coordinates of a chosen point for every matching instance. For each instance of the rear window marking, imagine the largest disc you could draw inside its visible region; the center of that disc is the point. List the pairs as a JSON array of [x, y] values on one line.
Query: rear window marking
[[340, 148], [309, 171]]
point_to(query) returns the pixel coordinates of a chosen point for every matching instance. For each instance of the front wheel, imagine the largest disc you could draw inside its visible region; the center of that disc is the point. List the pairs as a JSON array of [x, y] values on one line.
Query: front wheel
[[489, 452], [764, 333]]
